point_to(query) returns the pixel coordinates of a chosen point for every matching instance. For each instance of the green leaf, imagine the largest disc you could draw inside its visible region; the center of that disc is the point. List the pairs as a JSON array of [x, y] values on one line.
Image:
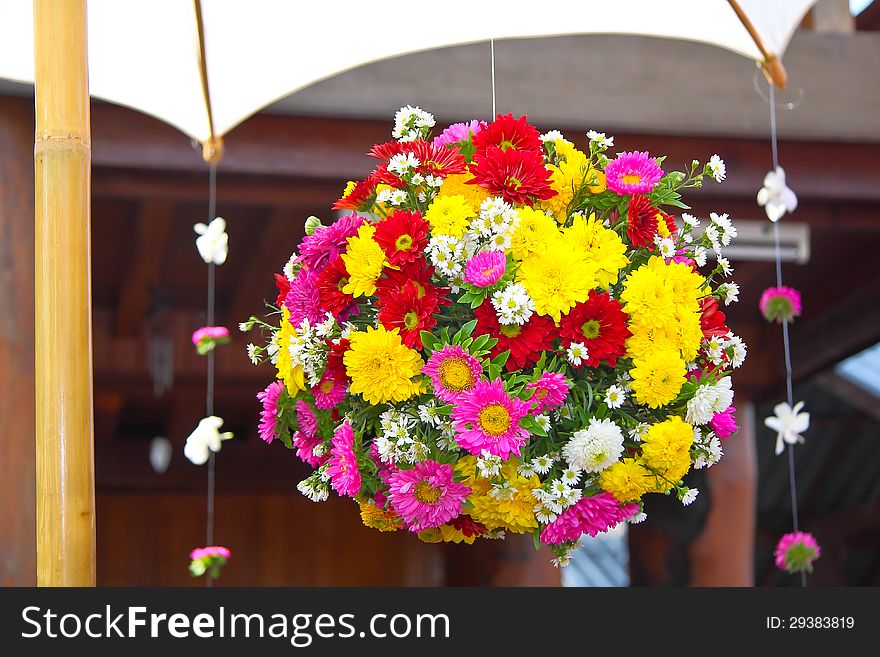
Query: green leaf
[[530, 424], [428, 340], [501, 359]]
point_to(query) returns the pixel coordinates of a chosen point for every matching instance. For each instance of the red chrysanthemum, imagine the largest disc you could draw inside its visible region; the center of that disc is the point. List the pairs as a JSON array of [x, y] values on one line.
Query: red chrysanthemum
[[642, 217], [334, 359], [526, 341], [508, 133], [419, 273], [468, 526], [670, 222], [283, 286], [712, 319], [402, 236], [361, 197], [520, 177], [410, 311], [600, 324], [434, 160], [330, 282]]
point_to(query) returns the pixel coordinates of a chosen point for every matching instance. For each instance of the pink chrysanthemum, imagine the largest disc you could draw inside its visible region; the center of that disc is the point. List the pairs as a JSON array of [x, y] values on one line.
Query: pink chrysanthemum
[[458, 132], [303, 299], [796, 552], [343, 469], [550, 392], [724, 423], [426, 496], [328, 242], [487, 418], [633, 173], [306, 419], [453, 372], [591, 515], [329, 391], [780, 304], [485, 268], [305, 449], [268, 427]]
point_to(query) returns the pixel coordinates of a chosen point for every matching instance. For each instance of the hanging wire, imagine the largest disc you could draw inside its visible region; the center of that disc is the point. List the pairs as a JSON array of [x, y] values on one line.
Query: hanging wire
[[785, 339], [209, 396], [492, 51]]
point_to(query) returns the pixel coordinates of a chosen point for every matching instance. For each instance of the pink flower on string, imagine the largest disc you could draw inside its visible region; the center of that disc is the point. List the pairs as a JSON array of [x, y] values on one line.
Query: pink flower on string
[[780, 304], [796, 552], [208, 560], [208, 337]]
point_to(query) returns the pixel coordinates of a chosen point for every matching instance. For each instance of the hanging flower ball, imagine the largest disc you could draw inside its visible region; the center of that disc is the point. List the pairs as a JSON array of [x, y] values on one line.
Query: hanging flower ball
[[780, 304], [789, 423], [205, 439], [212, 241], [208, 560], [775, 196], [796, 552]]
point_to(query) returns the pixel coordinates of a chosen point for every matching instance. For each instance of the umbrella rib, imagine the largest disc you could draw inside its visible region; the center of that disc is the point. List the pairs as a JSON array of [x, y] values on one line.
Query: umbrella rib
[[772, 65], [212, 148]]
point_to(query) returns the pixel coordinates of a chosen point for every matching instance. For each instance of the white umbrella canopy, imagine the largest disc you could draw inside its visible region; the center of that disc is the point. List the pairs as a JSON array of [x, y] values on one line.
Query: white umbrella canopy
[[147, 54]]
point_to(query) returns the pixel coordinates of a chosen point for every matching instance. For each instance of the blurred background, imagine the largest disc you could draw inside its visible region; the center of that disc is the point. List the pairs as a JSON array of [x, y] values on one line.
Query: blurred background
[[681, 99]]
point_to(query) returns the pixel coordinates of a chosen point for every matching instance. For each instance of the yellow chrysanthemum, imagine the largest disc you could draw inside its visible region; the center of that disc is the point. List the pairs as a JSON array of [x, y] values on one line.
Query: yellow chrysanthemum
[[601, 244], [381, 367], [627, 480], [646, 339], [647, 297], [534, 233], [558, 278], [381, 519], [293, 377], [449, 215], [666, 448], [431, 535], [364, 260], [685, 283], [687, 332], [513, 512], [658, 377], [456, 185], [571, 174]]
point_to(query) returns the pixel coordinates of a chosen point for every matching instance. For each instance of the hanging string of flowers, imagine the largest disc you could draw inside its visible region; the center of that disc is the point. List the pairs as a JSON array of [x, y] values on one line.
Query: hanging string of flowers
[[796, 550], [504, 333]]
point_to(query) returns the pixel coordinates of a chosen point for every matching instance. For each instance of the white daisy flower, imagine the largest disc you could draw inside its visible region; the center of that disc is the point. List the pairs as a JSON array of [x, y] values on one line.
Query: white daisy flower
[[576, 353], [253, 354], [690, 494], [542, 464], [717, 168], [615, 396], [690, 219]]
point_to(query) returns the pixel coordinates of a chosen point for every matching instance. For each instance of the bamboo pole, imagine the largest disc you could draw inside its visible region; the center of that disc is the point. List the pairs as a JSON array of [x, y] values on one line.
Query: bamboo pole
[[64, 432]]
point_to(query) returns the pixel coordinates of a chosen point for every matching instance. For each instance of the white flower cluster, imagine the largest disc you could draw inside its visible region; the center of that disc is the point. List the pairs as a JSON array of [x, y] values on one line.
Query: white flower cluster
[[730, 346], [709, 398], [399, 442], [308, 349], [513, 305], [449, 254], [488, 464], [410, 123], [391, 196], [493, 228], [316, 487], [706, 450], [554, 498], [600, 140], [720, 231]]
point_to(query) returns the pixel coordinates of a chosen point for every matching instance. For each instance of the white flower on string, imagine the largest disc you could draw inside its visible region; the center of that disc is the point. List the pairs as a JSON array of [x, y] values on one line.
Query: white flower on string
[[775, 196], [205, 439], [789, 423], [212, 242]]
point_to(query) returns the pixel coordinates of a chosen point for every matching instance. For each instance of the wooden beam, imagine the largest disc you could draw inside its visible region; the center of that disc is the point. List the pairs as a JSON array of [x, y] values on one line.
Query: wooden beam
[[151, 231], [17, 512], [277, 242], [850, 393]]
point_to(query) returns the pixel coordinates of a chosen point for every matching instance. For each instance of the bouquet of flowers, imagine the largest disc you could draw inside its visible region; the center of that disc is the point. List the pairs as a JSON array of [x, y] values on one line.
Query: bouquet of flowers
[[503, 333]]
